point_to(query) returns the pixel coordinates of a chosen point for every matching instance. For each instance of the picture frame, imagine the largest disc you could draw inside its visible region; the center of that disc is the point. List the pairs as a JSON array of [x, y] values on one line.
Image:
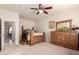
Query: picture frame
[[52, 24]]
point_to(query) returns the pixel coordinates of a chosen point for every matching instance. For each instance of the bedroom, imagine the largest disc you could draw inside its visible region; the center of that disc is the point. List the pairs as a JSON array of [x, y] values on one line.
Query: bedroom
[[22, 15]]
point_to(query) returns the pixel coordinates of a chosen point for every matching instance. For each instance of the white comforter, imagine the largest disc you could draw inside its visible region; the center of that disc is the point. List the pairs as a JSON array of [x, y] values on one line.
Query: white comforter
[[36, 34]]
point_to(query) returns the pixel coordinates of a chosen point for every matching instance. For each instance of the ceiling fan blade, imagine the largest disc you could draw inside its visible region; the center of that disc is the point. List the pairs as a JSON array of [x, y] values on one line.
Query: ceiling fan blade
[[34, 8], [45, 12], [37, 13], [48, 8], [40, 6]]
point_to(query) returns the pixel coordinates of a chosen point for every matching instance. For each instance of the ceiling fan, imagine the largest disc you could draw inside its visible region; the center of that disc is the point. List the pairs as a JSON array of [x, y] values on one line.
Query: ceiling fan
[[42, 9]]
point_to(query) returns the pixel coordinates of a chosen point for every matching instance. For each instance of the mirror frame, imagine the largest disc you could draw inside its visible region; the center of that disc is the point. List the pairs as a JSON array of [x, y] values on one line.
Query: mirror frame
[[70, 22]]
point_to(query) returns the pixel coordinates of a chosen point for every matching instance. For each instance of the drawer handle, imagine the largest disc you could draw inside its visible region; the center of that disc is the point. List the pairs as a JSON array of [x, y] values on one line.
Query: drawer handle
[[61, 39]]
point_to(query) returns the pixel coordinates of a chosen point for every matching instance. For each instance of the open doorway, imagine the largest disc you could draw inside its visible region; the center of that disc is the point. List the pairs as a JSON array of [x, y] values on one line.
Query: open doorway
[[9, 33]]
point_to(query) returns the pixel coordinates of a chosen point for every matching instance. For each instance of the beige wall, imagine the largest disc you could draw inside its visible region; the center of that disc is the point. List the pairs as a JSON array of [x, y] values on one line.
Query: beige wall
[[27, 23], [72, 13]]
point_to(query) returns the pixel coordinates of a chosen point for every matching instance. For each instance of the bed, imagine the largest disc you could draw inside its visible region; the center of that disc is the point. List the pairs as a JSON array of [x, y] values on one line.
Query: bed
[[31, 37]]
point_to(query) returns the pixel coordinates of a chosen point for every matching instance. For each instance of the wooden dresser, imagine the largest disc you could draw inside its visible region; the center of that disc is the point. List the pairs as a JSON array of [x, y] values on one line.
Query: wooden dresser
[[67, 39]]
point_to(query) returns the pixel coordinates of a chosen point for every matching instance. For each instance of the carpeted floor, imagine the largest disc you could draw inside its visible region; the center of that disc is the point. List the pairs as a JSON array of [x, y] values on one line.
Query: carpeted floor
[[38, 49]]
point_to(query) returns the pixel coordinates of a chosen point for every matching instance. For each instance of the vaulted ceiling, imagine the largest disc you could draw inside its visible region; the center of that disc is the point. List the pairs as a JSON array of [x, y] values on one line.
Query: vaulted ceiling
[[26, 13]]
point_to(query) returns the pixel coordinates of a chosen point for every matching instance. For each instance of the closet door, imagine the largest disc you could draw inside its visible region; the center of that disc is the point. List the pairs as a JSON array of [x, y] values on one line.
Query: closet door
[[0, 34]]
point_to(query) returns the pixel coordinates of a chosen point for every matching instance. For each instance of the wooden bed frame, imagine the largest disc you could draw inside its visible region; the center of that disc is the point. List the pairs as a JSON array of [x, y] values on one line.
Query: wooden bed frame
[[33, 38], [37, 39]]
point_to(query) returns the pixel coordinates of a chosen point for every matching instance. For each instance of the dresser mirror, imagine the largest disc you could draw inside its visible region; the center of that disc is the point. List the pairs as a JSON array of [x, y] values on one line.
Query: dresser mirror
[[63, 25]]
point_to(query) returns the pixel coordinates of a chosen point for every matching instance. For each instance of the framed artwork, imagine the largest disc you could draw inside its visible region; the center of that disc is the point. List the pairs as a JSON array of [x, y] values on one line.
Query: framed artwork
[[52, 24]]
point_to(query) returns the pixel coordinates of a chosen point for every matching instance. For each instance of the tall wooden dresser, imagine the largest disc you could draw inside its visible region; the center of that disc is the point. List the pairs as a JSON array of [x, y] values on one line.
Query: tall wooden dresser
[[67, 39]]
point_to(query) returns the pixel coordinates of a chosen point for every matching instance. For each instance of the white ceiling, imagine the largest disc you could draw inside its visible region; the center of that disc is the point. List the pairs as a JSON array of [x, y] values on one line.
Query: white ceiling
[[26, 13]]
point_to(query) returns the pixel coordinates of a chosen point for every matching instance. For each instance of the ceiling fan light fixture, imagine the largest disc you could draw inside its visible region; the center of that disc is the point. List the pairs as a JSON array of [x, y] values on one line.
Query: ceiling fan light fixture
[[40, 11]]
